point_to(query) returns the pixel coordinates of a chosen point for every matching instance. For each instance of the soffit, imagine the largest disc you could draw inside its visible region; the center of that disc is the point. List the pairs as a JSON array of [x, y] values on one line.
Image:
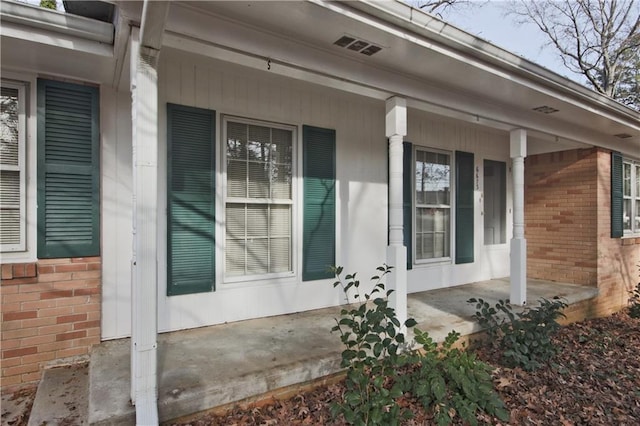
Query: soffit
[[315, 27]]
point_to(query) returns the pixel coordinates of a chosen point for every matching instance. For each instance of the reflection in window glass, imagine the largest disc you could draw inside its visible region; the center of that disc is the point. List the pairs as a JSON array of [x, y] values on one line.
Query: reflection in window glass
[[433, 206]]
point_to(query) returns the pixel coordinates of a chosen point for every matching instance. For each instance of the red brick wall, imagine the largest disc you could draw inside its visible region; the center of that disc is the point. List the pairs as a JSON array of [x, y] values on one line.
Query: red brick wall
[[50, 311], [561, 216]]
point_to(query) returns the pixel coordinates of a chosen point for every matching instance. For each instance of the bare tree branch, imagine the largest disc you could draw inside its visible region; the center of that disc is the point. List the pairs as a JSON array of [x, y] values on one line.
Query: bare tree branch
[[593, 37]]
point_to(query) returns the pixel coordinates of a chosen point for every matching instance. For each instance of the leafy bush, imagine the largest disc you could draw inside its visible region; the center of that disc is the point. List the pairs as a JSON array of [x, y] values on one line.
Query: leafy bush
[[450, 382], [634, 302], [524, 339], [369, 333]]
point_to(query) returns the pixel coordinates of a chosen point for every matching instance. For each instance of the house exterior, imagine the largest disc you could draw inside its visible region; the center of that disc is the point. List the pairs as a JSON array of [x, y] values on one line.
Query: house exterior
[[171, 165]]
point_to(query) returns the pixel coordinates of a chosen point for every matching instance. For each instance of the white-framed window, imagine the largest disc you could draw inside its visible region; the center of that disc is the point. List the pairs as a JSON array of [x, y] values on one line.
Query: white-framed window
[[432, 201], [631, 197], [260, 168], [12, 166]]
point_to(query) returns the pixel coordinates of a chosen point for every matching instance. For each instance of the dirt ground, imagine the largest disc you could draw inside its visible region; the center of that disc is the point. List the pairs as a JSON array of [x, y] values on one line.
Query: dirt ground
[[16, 406]]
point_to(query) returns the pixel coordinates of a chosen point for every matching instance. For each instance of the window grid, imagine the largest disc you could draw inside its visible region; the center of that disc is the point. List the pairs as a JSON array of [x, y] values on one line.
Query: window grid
[[631, 197], [432, 192], [259, 198], [12, 167]]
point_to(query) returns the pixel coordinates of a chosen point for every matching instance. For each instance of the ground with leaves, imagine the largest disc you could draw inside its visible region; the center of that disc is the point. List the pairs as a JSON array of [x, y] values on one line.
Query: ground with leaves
[[594, 380]]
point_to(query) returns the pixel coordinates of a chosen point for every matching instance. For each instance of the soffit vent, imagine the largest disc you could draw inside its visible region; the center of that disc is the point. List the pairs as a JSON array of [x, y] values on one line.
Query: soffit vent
[[623, 135], [362, 46], [545, 109]]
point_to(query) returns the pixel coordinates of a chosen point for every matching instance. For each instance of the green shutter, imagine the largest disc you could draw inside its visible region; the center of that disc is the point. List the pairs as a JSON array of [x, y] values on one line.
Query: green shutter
[[191, 200], [68, 170], [319, 228], [616, 195], [407, 200], [464, 207]]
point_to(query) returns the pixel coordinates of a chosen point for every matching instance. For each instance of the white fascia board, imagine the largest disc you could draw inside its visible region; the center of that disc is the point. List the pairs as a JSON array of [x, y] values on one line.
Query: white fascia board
[[34, 17], [414, 25], [66, 41]]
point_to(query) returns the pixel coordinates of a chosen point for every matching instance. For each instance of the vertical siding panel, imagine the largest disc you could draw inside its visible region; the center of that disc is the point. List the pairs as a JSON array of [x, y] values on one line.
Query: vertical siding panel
[[187, 83], [252, 95], [172, 81], [123, 192], [108, 156], [240, 85], [228, 92], [215, 88], [201, 86]]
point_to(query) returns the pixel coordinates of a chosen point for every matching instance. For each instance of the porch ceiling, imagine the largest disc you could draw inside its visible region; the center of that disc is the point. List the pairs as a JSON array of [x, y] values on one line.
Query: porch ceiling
[[497, 88]]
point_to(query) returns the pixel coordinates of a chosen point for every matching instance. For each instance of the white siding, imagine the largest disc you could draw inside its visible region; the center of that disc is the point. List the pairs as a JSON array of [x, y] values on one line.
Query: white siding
[[451, 135], [361, 216], [116, 218]]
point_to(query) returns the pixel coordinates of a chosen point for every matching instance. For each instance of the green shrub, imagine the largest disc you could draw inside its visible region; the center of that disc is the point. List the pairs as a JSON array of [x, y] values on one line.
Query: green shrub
[[634, 302], [449, 382], [524, 339], [371, 356]]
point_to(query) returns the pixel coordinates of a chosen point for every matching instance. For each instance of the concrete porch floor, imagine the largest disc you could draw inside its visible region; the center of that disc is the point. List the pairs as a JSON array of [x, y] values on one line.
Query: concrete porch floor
[[211, 366]]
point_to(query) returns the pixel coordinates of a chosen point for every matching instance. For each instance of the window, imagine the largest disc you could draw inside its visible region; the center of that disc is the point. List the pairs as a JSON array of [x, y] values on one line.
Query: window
[[12, 167], [432, 204], [631, 196], [259, 197], [495, 202]]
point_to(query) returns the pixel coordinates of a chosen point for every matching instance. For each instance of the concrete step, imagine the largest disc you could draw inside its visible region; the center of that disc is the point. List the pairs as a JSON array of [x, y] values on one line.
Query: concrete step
[[62, 397]]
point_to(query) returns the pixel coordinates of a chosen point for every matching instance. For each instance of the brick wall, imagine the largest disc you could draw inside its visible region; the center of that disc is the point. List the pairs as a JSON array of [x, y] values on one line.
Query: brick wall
[[618, 258], [568, 229], [50, 311], [561, 216]]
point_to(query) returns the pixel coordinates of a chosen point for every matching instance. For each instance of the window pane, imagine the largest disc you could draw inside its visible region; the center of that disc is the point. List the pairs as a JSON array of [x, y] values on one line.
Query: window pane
[[257, 222], [235, 215], [626, 179], [9, 127], [626, 214], [9, 188], [258, 180], [432, 233], [432, 178], [280, 221], [237, 141], [257, 256], [281, 145], [9, 226], [638, 182], [280, 258], [237, 179], [234, 254], [637, 226], [259, 144]]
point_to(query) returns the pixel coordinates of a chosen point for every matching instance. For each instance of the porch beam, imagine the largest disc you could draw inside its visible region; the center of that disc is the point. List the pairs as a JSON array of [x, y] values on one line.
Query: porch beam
[[518, 152], [145, 50], [396, 129]]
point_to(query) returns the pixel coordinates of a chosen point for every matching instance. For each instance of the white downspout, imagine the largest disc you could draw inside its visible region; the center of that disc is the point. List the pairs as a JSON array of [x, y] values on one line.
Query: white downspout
[[395, 130], [518, 152]]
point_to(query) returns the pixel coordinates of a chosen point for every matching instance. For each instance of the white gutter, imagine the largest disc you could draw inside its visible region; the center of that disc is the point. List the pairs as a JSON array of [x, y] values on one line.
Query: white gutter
[[57, 22], [416, 21]]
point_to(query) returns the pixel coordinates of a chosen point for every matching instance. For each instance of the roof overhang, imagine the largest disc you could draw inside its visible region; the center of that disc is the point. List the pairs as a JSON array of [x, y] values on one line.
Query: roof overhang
[[436, 67]]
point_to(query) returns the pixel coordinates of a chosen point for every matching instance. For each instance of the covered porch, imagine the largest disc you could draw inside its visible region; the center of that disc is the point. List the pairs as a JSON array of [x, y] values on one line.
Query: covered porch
[[208, 367]]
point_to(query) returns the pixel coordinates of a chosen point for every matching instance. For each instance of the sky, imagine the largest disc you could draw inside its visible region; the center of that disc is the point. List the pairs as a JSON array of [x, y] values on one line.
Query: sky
[[487, 20]]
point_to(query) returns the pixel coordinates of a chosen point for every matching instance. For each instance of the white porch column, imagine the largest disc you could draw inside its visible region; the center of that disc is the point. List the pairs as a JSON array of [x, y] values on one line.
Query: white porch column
[[396, 129], [518, 150], [145, 49]]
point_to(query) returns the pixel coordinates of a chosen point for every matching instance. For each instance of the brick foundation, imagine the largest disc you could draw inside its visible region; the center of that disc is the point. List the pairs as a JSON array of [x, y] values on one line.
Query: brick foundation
[[50, 311], [568, 229]]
